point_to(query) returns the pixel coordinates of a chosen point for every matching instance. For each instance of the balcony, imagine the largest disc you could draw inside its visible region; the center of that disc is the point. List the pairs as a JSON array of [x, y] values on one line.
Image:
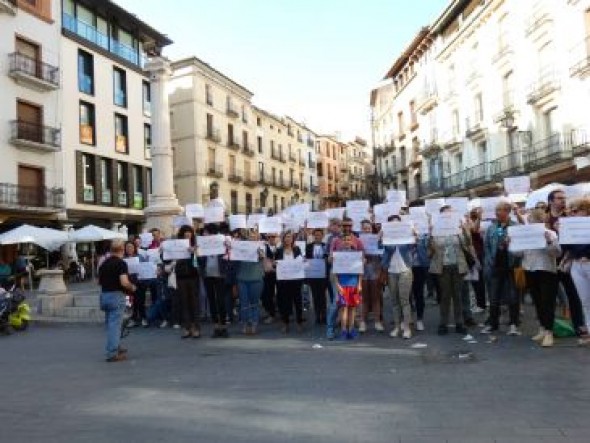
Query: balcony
[[281, 184], [292, 157], [275, 155], [431, 188], [427, 99], [301, 161], [580, 59], [431, 145], [31, 198], [580, 142], [540, 90], [403, 164], [249, 151], [34, 137], [476, 175], [264, 179], [213, 135], [234, 176], [547, 152], [33, 73], [355, 175], [507, 165], [475, 126], [538, 21], [282, 157], [453, 182], [415, 158], [215, 170], [314, 189], [231, 112], [249, 180], [343, 166], [504, 52], [344, 185], [91, 34], [8, 6], [233, 144], [507, 108], [294, 184]]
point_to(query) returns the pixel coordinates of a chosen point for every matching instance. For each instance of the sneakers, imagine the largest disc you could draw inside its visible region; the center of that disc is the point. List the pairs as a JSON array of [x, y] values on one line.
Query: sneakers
[[176, 326], [379, 326], [547, 340], [132, 324], [344, 335], [540, 335], [362, 326], [395, 332], [513, 330], [119, 357], [419, 325], [584, 341], [487, 330], [268, 320], [477, 310], [145, 323], [353, 333], [164, 324], [330, 335], [407, 334]]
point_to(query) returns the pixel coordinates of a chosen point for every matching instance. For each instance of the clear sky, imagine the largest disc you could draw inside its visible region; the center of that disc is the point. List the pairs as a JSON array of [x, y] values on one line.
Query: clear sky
[[314, 60]]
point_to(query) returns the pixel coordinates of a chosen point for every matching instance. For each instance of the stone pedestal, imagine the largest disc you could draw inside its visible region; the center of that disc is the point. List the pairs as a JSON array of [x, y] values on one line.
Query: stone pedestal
[[163, 204], [54, 295]]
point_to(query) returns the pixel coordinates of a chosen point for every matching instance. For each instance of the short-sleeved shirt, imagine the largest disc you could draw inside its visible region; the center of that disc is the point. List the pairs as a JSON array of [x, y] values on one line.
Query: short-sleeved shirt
[[109, 274]]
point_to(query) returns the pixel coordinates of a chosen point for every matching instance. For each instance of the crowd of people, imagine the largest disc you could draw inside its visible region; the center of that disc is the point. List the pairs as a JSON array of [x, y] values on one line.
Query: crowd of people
[[477, 260]]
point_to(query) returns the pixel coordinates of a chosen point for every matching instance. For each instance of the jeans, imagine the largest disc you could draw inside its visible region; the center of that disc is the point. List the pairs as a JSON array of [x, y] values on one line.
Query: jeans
[[451, 284], [581, 277], [543, 288], [139, 303], [113, 305], [502, 288], [333, 307], [250, 292], [573, 300], [420, 275]]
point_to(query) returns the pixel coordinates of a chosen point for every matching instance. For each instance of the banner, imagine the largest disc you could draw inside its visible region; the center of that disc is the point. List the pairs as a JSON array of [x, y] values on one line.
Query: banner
[[290, 269], [237, 221], [574, 230], [527, 237]]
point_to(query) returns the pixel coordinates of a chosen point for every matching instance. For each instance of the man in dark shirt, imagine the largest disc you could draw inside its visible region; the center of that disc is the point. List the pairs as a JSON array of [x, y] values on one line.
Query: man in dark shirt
[[113, 279]]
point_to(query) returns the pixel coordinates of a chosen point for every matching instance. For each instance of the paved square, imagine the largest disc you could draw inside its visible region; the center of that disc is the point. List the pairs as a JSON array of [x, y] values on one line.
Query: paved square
[[56, 388]]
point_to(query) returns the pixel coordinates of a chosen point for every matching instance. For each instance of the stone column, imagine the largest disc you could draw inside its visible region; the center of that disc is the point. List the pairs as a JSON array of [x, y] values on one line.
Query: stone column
[[163, 204]]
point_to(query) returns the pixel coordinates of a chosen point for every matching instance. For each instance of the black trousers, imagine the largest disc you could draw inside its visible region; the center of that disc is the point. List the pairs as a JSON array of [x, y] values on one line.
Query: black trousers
[[479, 287], [420, 273], [318, 288], [215, 287], [289, 293], [189, 303], [573, 299], [543, 289], [268, 293]]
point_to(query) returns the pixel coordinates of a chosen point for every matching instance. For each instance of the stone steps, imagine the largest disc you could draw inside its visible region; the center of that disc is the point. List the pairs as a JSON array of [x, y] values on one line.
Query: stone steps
[[92, 314], [87, 301]]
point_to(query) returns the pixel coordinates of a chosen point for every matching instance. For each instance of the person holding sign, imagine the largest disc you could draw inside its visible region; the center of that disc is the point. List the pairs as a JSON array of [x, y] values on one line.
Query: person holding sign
[[270, 278], [317, 251], [540, 266], [250, 275], [499, 264], [131, 256], [289, 291], [397, 265], [579, 255], [372, 296], [213, 269], [448, 261], [187, 286]]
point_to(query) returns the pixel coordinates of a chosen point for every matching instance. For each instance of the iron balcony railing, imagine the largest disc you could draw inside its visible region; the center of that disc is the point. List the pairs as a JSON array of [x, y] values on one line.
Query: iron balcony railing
[[231, 111], [213, 135], [233, 144], [547, 152], [509, 164], [477, 175], [31, 196], [33, 132], [473, 125], [248, 150], [580, 142], [215, 170], [275, 155], [580, 57], [547, 82], [20, 63], [249, 180], [235, 176]]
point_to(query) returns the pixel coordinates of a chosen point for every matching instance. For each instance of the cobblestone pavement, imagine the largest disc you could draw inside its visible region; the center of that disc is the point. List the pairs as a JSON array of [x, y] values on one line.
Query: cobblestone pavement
[[57, 388]]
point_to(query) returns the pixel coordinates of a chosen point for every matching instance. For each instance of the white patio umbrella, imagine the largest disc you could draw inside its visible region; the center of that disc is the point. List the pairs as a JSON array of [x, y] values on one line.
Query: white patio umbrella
[[91, 234]]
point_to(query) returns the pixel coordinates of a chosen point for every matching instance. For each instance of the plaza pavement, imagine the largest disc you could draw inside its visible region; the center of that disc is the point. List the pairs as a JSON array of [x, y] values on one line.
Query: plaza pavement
[[56, 387]]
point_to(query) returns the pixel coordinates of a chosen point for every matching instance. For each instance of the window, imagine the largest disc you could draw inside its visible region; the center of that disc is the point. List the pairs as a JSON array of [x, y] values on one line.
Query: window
[[137, 187], [208, 95], [400, 123], [148, 184], [258, 121], [455, 118], [244, 115], [88, 178], [549, 122], [121, 139], [209, 125], [147, 99], [230, 134], [248, 203], [482, 152], [478, 104], [147, 141], [259, 140], [234, 202], [211, 158], [413, 116], [507, 92], [122, 183], [320, 170], [119, 87], [85, 72], [245, 139], [106, 181], [87, 124], [275, 201]]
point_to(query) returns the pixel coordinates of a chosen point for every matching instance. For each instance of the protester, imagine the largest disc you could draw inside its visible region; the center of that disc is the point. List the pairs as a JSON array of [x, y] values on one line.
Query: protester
[[250, 277], [270, 278], [114, 279], [371, 286], [334, 229], [289, 291], [187, 285], [420, 265], [317, 250]]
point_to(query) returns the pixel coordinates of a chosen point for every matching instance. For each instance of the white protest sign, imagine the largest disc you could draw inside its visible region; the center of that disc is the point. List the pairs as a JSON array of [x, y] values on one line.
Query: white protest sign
[[270, 225], [176, 249], [244, 250], [151, 255], [347, 262], [337, 213], [398, 233], [433, 205], [146, 239], [488, 207], [517, 185], [290, 269], [317, 220], [237, 221], [458, 204], [147, 270], [358, 205], [210, 245], [418, 210], [446, 224], [396, 196], [384, 210], [132, 264], [370, 243], [315, 268], [527, 237], [181, 220], [254, 220], [420, 222], [213, 214], [574, 230], [194, 210], [578, 190]]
